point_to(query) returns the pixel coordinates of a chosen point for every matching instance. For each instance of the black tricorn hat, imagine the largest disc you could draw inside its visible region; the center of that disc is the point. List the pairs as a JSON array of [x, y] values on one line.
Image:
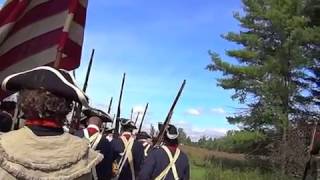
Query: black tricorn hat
[[98, 113], [143, 135], [109, 129], [127, 123], [58, 82], [171, 131]]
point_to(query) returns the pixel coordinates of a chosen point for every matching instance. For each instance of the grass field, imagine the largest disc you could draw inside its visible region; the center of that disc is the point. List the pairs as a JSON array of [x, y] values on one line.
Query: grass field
[[214, 165]]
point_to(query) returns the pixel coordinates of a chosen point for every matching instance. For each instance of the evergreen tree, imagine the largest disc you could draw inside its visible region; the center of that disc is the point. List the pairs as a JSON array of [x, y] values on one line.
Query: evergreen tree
[[312, 11], [271, 70]]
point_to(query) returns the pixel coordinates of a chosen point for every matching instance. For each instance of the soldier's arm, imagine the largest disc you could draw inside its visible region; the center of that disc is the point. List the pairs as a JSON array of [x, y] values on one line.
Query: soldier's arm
[[117, 148], [148, 167], [187, 171], [105, 166], [139, 156]]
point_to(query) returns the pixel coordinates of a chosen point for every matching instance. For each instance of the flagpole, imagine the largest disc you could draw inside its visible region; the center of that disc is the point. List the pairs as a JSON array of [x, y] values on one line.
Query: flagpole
[[58, 59]]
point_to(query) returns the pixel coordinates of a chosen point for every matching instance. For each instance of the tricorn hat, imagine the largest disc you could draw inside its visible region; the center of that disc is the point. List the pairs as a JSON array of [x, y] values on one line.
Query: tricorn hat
[[171, 131], [143, 135], [108, 129], [58, 82], [98, 113], [127, 123]]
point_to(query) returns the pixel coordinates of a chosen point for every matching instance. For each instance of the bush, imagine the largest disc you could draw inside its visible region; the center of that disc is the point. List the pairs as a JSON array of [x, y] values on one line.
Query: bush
[[234, 141]]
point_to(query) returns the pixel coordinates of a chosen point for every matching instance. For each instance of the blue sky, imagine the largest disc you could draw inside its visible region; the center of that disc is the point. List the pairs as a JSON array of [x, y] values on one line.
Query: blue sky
[[159, 44]]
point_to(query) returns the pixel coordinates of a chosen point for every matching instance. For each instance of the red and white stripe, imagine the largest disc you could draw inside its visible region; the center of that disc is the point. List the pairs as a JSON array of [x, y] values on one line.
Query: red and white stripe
[[33, 31]]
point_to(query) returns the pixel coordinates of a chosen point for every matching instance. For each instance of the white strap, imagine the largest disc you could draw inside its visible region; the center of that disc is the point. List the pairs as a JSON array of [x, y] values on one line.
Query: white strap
[[96, 141], [147, 147], [171, 165], [93, 143], [127, 155], [145, 143], [86, 133], [94, 173]]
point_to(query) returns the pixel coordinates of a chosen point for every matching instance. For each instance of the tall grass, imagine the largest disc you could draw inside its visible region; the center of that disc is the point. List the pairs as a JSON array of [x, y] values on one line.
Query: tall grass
[[211, 165], [213, 171]]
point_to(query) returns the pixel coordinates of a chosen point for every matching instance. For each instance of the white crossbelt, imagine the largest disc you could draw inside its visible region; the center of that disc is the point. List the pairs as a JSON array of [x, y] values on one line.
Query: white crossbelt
[[146, 146], [127, 156], [171, 165], [93, 143]]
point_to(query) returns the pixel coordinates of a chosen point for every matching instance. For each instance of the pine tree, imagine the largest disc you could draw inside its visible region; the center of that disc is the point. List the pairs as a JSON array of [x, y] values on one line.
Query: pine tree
[[270, 76], [312, 11]]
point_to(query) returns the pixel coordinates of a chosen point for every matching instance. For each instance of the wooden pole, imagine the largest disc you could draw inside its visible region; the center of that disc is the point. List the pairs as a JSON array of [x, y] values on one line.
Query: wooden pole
[[58, 59]]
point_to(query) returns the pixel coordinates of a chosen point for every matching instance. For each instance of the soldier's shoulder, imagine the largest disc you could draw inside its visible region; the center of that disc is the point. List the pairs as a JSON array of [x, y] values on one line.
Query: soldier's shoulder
[[157, 150], [184, 156], [79, 133]]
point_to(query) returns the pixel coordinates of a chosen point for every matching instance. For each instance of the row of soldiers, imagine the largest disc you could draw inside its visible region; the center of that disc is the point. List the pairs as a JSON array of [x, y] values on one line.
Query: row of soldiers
[[43, 150]]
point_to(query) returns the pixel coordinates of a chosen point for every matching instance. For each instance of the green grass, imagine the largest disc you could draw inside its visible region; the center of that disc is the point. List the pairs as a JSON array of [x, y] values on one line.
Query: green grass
[[204, 168], [214, 172], [198, 173]]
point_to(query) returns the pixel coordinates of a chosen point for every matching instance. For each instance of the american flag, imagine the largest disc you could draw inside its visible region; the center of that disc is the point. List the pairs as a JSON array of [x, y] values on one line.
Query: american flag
[[32, 32]]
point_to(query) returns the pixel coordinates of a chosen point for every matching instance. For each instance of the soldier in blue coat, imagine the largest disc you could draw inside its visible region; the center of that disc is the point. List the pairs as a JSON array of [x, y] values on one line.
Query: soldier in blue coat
[[166, 161], [128, 152], [146, 140], [94, 119]]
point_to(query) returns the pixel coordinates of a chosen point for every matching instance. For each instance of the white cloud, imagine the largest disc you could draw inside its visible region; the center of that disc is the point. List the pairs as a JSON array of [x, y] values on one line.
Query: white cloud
[[193, 112], [180, 123], [218, 111], [195, 132]]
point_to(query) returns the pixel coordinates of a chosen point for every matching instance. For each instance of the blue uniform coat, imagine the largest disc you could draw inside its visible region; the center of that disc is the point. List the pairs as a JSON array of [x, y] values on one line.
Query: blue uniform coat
[[137, 153], [158, 160]]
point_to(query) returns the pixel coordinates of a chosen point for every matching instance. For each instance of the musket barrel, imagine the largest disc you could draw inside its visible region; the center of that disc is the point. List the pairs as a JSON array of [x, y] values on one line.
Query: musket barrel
[[110, 105], [168, 118], [135, 122], [88, 72], [143, 116], [131, 116], [117, 126], [78, 107]]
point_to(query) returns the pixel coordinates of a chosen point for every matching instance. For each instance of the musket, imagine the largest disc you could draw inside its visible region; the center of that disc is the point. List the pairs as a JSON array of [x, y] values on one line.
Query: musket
[[77, 114], [143, 116], [88, 72], [109, 111], [131, 116], [74, 74], [308, 164], [110, 105], [117, 125], [168, 118], [135, 122]]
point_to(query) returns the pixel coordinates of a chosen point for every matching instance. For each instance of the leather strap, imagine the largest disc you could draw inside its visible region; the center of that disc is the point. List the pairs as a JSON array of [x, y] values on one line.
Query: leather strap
[[146, 149], [93, 143]]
